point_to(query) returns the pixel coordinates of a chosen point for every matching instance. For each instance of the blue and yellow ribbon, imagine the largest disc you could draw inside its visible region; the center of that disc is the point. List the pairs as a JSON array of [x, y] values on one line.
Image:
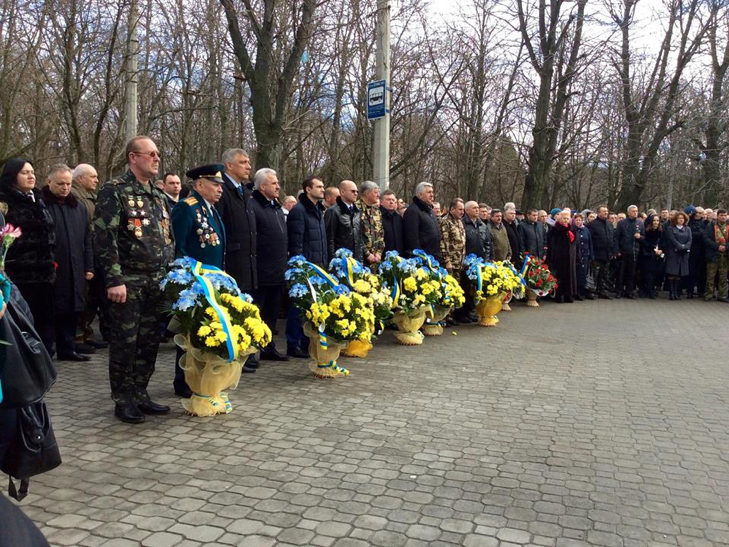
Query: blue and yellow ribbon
[[199, 270], [323, 344]]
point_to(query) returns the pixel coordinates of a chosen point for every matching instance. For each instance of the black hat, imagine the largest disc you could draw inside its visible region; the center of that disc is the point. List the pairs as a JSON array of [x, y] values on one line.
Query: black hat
[[211, 172]]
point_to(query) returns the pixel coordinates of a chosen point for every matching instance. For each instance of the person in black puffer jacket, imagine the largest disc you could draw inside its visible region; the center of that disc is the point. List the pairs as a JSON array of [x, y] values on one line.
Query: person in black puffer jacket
[[651, 255], [420, 227], [391, 222], [30, 261]]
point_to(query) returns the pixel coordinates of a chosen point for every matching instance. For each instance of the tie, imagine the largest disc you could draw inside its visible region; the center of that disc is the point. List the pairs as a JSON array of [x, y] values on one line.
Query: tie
[[240, 189]]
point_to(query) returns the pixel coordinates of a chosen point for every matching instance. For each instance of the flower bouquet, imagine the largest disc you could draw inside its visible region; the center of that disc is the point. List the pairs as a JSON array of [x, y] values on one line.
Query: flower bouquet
[[8, 235], [218, 326], [414, 290], [491, 282], [538, 278], [335, 315], [348, 271], [451, 295]]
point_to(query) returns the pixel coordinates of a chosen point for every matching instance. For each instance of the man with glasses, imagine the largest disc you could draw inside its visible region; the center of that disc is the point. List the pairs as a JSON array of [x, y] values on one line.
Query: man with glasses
[[133, 240], [342, 221]]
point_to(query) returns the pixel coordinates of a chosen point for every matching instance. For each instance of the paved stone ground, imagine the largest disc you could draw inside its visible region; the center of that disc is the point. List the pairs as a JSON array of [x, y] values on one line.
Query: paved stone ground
[[599, 423]]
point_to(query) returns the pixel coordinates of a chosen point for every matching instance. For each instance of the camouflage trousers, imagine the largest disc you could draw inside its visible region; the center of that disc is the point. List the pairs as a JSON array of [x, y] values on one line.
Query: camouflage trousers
[[135, 338], [717, 268]]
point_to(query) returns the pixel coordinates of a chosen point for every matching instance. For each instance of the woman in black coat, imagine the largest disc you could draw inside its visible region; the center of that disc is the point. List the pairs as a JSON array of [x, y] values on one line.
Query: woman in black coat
[[586, 256], [562, 254], [678, 238], [30, 261], [650, 260]]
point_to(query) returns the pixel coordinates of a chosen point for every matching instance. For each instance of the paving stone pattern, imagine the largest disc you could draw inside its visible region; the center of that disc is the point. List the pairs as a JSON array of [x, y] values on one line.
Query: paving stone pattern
[[597, 423]]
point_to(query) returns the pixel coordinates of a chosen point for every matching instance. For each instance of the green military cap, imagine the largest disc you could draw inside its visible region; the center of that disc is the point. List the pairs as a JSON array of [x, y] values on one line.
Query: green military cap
[[211, 172]]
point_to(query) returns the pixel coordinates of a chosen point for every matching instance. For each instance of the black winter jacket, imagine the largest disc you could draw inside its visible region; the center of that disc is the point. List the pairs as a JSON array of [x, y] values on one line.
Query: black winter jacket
[[343, 229], [272, 240], [240, 234], [478, 238], [73, 253], [392, 223], [307, 233], [421, 229], [625, 242], [30, 259], [603, 239], [531, 238], [514, 241]]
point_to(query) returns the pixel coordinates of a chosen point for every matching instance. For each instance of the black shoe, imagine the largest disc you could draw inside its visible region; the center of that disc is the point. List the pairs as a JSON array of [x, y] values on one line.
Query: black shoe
[[578, 298], [604, 296], [618, 296], [273, 355], [184, 392], [85, 348], [129, 413], [248, 369], [150, 407], [725, 300], [297, 352], [568, 300], [465, 320], [630, 296], [558, 300], [690, 296], [451, 322], [98, 345], [590, 296], [254, 364], [74, 357]]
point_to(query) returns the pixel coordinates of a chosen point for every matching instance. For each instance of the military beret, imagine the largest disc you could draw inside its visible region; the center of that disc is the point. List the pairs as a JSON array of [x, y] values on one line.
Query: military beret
[[212, 172]]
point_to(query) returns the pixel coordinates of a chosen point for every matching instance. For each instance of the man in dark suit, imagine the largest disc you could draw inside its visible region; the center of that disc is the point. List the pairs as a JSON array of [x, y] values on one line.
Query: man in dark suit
[[199, 234], [240, 224]]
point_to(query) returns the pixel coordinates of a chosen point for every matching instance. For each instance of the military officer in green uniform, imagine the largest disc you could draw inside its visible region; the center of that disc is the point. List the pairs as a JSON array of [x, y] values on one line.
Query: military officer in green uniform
[[133, 240], [199, 234], [198, 228]]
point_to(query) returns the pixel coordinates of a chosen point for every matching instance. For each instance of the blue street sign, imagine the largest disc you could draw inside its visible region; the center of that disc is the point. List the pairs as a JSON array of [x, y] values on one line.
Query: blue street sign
[[376, 99]]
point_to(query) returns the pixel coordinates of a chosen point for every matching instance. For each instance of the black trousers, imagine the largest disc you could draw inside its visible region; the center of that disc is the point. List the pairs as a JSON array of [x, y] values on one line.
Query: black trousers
[[697, 274], [39, 297], [626, 279], [66, 333], [601, 271], [469, 305], [268, 300]]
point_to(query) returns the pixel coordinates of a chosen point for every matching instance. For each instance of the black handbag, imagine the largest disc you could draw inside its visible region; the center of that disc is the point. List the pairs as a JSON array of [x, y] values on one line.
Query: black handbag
[[33, 450], [26, 370]]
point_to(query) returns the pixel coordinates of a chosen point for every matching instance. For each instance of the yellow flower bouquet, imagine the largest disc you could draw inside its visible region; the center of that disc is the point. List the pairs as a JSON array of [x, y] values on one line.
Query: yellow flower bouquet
[[218, 326], [415, 288], [335, 314], [491, 282], [348, 271]]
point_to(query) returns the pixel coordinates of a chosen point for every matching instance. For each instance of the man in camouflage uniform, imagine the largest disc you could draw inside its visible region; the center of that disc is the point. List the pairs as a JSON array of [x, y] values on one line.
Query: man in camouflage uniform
[[134, 245], [373, 232], [453, 243]]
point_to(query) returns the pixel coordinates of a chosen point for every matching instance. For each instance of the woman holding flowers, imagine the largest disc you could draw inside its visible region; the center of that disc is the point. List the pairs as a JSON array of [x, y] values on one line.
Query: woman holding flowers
[[562, 253]]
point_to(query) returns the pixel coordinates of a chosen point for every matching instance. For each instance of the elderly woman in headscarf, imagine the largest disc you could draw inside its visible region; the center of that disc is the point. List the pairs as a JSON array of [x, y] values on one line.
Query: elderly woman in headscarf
[[30, 260]]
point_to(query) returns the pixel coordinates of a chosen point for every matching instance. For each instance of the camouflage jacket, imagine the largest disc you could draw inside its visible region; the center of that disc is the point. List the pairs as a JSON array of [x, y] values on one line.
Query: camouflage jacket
[[452, 242], [132, 233], [373, 231]]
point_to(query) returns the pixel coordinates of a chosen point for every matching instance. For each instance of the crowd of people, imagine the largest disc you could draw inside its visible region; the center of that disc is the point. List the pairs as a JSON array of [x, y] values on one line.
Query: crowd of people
[[99, 251]]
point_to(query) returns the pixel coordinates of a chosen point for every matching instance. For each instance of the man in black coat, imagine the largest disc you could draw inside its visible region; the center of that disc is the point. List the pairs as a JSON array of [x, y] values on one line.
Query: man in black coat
[[74, 259], [343, 222], [478, 242], [420, 228], [308, 237], [391, 222], [601, 232], [239, 222], [272, 250], [531, 235], [627, 242], [697, 258]]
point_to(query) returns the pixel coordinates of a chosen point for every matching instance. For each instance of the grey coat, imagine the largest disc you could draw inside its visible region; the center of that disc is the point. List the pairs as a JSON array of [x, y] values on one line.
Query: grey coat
[[677, 251]]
